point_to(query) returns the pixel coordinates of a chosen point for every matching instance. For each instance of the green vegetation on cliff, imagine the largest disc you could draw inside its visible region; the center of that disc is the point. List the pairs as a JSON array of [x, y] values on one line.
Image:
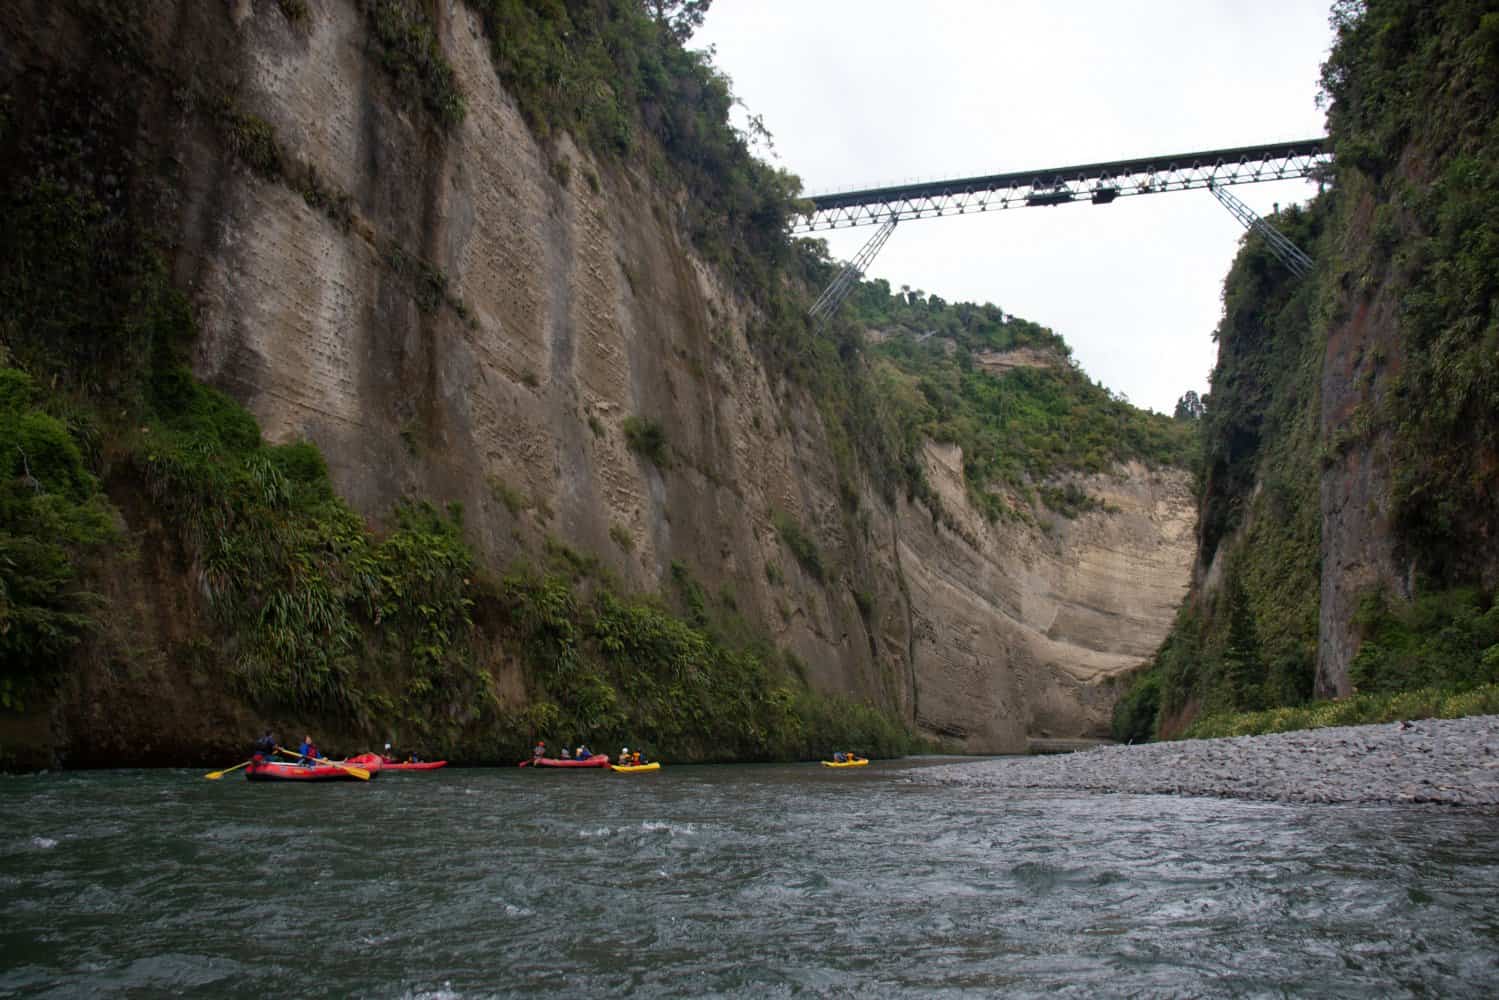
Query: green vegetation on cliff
[[1414, 115], [611, 669], [1447, 640], [51, 517], [405, 43], [1407, 244], [1022, 426]]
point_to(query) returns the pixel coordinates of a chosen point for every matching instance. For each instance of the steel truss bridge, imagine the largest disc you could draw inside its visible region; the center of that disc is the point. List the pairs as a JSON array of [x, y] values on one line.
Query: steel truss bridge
[[1098, 183]]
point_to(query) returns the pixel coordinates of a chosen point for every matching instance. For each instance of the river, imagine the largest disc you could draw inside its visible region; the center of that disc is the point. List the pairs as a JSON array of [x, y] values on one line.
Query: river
[[734, 881]]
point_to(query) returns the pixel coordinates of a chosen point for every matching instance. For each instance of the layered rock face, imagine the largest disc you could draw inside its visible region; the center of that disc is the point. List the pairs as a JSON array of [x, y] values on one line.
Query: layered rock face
[[1019, 627], [557, 299]]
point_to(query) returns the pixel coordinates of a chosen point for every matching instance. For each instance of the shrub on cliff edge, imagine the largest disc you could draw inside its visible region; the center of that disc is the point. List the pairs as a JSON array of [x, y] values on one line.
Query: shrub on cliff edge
[[51, 514]]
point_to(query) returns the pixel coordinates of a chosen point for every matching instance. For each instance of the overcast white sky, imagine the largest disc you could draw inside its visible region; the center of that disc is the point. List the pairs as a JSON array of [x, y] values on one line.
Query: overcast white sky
[[859, 93]]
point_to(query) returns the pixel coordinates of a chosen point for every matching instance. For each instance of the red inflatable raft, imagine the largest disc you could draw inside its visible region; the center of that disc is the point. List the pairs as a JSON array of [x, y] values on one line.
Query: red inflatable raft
[[386, 764], [424, 765], [275, 770], [597, 760]]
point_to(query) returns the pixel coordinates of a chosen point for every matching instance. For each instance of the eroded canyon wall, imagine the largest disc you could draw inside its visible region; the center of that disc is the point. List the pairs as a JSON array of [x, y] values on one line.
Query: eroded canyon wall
[[480, 312], [1349, 529]]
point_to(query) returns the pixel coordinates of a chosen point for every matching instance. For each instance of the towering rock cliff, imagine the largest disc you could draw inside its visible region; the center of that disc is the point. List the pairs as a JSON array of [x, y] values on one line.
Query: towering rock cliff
[[1349, 524], [387, 255], [1411, 388]]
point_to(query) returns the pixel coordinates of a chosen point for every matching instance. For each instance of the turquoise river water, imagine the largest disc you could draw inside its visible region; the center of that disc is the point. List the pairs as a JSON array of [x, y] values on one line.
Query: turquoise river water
[[733, 881]]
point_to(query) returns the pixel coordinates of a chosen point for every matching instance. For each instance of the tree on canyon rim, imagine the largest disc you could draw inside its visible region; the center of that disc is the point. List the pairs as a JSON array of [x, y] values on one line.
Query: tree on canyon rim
[[1189, 407], [680, 17]]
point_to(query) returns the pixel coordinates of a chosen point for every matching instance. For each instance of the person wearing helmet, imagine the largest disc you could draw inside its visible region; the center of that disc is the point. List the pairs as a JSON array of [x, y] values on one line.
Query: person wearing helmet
[[539, 750]]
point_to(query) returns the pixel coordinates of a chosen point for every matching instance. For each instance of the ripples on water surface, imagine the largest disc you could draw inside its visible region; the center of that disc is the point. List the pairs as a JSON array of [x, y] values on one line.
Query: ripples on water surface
[[725, 881]]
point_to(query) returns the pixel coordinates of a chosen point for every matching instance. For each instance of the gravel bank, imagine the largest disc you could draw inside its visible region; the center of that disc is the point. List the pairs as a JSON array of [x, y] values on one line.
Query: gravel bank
[[1452, 762]]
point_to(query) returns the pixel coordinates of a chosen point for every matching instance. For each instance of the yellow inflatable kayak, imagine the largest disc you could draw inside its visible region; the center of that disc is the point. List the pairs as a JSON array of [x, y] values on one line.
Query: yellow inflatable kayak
[[846, 763], [654, 765]]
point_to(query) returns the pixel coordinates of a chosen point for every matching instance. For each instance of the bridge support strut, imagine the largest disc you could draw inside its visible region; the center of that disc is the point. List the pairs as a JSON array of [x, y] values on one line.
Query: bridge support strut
[[1285, 251], [832, 296]]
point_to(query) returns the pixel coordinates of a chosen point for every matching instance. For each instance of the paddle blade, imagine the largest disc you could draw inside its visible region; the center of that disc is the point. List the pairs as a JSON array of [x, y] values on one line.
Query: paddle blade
[[216, 775], [359, 773]]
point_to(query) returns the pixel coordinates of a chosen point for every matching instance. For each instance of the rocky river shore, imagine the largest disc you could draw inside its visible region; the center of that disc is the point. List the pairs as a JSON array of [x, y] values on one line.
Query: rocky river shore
[[1453, 762]]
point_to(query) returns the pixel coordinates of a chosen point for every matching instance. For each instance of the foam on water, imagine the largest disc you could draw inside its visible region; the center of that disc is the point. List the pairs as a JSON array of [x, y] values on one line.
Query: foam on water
[[444, 993], [675, 829]]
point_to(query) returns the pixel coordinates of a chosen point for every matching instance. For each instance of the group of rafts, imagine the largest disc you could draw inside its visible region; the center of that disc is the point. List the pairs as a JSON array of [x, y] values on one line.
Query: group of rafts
[[369, 765], [602, 760], [299, 768], [596, 760]]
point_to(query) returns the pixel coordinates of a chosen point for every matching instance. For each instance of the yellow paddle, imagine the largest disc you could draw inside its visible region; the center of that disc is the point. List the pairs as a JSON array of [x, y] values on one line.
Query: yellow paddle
[[357, 772], [216, 775]]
